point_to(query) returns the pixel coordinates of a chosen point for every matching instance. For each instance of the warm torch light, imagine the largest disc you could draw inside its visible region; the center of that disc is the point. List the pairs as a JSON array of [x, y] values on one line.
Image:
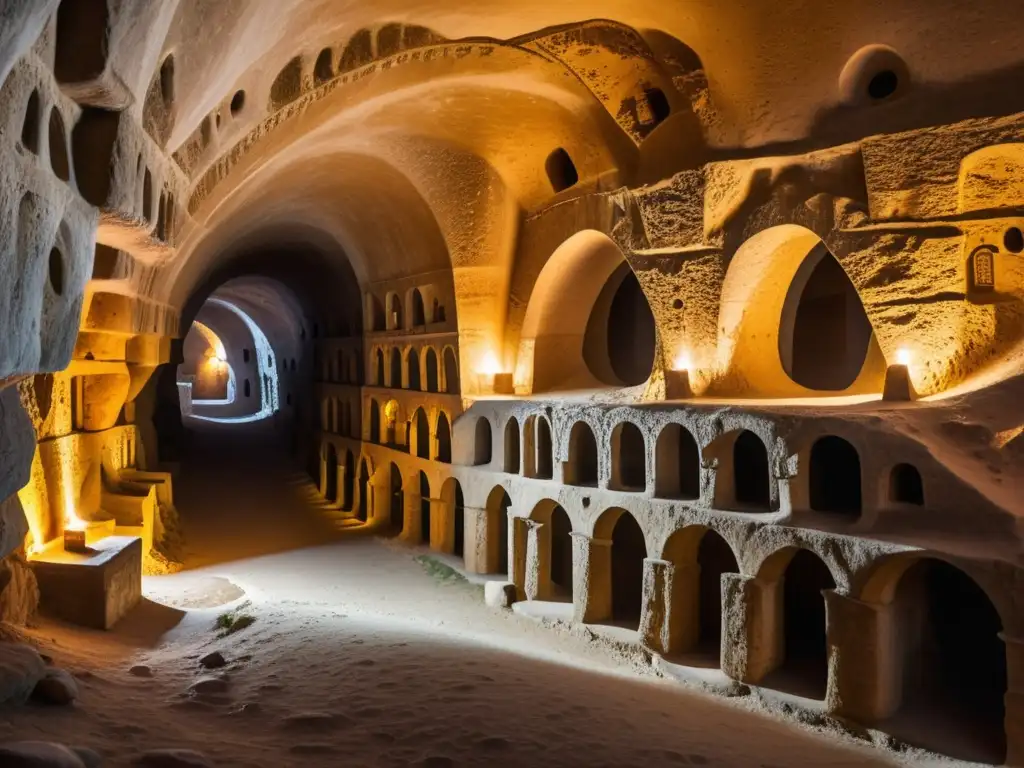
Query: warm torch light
[[489, 366], [903, 356], [682, 362]]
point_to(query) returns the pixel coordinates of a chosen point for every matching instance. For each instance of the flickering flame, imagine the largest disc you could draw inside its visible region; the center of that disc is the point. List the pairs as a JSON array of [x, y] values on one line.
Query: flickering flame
[[682, 361], [490, 365], [903, 356]]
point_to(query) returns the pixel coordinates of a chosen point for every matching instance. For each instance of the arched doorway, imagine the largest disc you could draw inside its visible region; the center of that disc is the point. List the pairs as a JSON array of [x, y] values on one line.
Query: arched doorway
[[331, 480], [512, 452], [378, 378], [422, 434], [414, 370], [424, 509], [545, 452], [395, 310], [453, 523], [396, 369], [350, 480], [676, 464], [397, 499], [417, 313], [581, 469], [835, 483], [444, 438], [629, 550], [498, 505], [482, 442], [751, 480], [364, 491], [430, 363], [715, 558], [629, 458], [953, 662], [451, 372], [905, 485], [804, 668], [374, 422], [561, 554]]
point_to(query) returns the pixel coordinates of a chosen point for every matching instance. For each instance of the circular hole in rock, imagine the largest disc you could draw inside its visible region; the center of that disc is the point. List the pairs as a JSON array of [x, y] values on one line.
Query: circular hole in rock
[[883, 85], [677, 304], [237, 102], [57, 271], [1013, 240]]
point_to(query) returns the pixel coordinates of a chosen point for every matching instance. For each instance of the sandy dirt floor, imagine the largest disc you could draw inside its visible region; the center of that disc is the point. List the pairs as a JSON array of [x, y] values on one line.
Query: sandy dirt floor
[[359, 657]]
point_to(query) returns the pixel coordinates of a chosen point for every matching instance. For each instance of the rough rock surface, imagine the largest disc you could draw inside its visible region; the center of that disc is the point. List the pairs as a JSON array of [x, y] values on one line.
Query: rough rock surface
[[40, 754], [172, 758], [21, 668], [19, 591], [213, 660]]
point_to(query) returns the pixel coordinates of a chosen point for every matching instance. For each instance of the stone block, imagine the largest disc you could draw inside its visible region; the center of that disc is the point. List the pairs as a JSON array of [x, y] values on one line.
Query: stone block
[[95, 589], [499, 594]]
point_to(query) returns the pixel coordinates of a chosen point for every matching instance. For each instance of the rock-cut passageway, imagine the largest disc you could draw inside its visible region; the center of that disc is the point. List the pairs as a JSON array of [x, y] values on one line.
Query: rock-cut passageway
[[358, 656]]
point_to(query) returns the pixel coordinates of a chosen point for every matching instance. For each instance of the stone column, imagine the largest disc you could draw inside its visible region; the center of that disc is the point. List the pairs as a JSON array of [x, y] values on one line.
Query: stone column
[[381, 496], [410, 516], [1014, 701], [517, 538], [657, 605], [864, 670], [752, 627], [339, 495], [538, 561], [475, 540], [591, 578]]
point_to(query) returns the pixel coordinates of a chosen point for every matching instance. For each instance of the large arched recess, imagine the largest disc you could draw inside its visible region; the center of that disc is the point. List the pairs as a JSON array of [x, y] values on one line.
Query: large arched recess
[[791, 323], [587, 324]]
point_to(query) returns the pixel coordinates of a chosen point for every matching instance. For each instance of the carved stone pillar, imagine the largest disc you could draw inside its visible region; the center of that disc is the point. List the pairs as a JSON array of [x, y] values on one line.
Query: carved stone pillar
[[538, 561], [752, 627], [517, 536], [591, 578], [656, 610], [476, 541], [865, 674], [339, 494]]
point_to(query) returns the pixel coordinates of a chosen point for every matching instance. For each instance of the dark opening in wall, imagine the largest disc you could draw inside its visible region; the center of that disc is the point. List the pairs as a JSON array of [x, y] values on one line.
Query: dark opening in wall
[[147, 195], [396, 369], [677, 464], [323, 70], [378, 375], [1013, 240], [292, 365], [287, 85], [512, 447], [629, 458], [247, 388], [418, 314], [374, 421], [237, 103], [430, 363], [953, 663], [82, 45], [414, 370], [395, 312], [288, 399], [56, 271], [422, 434], [561, 553], [424, 509], [451, 372], [628, 553], [167, 80], [883, 85], [444, 439], [482, 442], [835, 484], [658, 102], [582, 464], [804, 669], [245, 355], [561, 170], [30, 127], [545, 452], [397, 499], [161, 217], [829, 331], [714, 558], [459, 521], [331, 478], [630, 330], [206, 131], [58, 146], [905, 485], [750, 471]]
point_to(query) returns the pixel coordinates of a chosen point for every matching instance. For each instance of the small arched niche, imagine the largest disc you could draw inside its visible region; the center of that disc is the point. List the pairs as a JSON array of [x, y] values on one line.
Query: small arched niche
[[906, 485], [482, 442], [629, 458], [791, 323], [582, 466], [835, 477], [604, 337], [676, 464], [512, 452]]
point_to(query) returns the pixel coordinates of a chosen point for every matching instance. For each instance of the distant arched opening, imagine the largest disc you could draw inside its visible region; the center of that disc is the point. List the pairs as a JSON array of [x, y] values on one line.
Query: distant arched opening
[[59, 146], [561, 170], [430, 363], [422, 434], [835, 482], [905, 485], [424, 509], [374, 422], [395, 312], [715, 558], [396, 369], [30, 127], [620, 337], [374, 313], [414, 370], [629, 550], [444, 439], [451, 372], [416, 310], [582, 467], [750, 472], [323, 70], [397, 497], [378, 378], [287, 85], [545, 451], [629, 458], [350, 481], [331, 479], [676, 464], [364, 491], [561, 554], [512, 452], [482, 442], [498, 505]]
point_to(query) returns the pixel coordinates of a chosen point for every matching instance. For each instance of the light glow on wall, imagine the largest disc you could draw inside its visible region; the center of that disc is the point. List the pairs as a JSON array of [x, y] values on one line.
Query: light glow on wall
[[489, 365], [683, 362], [903, 356]]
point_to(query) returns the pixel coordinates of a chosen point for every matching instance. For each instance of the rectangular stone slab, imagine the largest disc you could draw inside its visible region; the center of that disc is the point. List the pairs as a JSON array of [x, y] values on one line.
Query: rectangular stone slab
[[95, 589]]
